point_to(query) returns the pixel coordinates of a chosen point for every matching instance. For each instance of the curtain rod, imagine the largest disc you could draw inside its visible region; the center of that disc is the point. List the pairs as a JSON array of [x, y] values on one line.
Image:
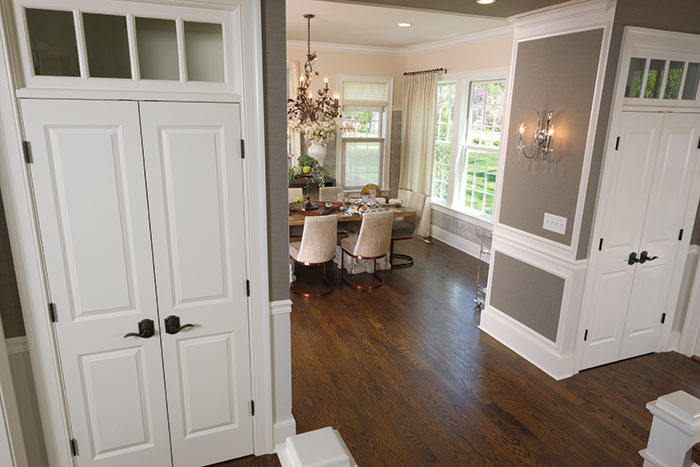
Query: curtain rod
[[422, 72]]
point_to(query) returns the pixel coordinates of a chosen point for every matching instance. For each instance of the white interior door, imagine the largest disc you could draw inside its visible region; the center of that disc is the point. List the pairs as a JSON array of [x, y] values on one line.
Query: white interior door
[[629, 182], [90, 198], [670, 190], [195, 182]]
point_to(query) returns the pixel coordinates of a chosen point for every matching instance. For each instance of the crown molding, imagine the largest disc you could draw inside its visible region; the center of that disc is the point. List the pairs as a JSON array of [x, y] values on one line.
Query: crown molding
[[575, 11], [489, 34]]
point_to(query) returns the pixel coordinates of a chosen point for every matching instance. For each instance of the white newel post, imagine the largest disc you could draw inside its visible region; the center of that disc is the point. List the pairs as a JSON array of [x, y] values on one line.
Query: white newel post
[[674, 430]]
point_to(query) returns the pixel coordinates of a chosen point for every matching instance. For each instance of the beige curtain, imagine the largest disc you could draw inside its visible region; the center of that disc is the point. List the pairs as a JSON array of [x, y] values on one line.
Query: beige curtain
[[418, 141]]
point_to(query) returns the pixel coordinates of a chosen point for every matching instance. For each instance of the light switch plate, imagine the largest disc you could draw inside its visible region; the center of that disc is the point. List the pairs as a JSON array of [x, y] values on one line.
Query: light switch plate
[[554, 223]]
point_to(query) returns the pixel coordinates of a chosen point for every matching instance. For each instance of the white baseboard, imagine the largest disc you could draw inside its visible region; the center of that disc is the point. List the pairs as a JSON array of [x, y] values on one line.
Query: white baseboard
[[456, 241], [519, 340], [674, 341], [283, 430]]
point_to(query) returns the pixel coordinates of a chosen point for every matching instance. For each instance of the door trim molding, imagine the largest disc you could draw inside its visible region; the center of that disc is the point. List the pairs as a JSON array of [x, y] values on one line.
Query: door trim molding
[[16, 184]]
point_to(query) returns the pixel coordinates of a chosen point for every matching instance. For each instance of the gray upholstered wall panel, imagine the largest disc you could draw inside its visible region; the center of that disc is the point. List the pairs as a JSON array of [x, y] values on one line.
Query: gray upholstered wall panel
[[680, 16], [549, 76], [10, 309], [527, 294], [459, 227], [275, 95]]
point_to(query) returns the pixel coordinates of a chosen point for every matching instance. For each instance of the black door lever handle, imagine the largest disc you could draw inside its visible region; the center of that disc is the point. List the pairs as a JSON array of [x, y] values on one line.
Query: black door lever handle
[[644, 257], [172, 325], [632, 258], [146, 329]]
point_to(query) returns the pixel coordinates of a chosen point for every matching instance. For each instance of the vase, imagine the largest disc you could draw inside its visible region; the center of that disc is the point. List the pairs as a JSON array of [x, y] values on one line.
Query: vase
[[317, 150]]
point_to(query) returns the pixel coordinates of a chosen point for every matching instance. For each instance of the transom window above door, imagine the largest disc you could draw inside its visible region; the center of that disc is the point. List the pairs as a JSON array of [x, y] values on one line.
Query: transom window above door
[[467, 144], [667, 80]]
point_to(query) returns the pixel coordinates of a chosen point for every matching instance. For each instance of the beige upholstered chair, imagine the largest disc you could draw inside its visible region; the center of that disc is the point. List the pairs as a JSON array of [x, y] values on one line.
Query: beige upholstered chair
[[329, 193], [405, 229], [316, 248], [372, 243], [295, 193]]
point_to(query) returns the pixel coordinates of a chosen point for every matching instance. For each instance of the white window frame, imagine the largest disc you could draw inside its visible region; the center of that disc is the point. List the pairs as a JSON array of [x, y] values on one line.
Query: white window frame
[[454, 205], [386, 149]]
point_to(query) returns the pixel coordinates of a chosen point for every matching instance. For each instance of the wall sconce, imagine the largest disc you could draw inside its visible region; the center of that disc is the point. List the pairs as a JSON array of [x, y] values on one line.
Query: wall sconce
[[542, 140]]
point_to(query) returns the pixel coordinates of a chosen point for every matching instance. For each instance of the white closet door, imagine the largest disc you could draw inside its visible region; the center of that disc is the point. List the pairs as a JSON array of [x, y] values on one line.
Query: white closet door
[[91, 202], [195, 182], [673, 175], [630, 179]]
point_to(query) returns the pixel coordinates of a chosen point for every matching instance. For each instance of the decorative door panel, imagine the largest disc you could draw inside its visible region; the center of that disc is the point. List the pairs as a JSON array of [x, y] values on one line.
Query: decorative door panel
[[631, 175], [670, 191], [195, 182], [91, 203]]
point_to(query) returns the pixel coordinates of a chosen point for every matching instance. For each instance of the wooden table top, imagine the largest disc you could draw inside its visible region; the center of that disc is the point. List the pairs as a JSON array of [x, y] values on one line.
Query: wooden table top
[[351, 215]]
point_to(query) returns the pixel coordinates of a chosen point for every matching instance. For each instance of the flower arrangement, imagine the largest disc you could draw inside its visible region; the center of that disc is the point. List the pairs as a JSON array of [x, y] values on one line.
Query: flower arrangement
[[319, 131], [309, 167]]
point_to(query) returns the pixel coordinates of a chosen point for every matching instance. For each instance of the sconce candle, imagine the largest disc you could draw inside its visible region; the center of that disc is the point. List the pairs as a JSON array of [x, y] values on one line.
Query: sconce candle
[[541, 141]]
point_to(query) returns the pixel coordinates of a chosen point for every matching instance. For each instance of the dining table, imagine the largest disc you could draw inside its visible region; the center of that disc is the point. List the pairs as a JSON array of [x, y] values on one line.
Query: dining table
[[352, 214]]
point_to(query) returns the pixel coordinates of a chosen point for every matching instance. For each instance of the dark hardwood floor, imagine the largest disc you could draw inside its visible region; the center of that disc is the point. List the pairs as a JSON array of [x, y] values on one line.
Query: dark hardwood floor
[[405, 375]]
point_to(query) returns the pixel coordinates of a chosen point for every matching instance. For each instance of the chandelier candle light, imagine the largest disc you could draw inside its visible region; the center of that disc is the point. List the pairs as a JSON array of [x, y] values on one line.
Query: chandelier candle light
[[541, 141]]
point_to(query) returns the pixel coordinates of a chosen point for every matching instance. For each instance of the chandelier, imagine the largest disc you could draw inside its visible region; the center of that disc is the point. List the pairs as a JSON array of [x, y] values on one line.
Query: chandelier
[[305, 111]]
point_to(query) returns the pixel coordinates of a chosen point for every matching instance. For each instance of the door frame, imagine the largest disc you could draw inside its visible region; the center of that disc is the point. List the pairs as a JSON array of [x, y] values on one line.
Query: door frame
[[16, 185], [646, 43]]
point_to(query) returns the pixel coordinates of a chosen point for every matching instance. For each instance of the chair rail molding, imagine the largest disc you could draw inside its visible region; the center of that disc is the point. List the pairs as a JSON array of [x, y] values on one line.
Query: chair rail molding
[[16, 185]]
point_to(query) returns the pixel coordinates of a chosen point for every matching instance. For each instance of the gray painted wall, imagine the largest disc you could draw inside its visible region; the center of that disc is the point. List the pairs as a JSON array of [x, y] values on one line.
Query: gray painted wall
[[680, 16], [527, 294], [548, 75], [275, 94], [10, 309]]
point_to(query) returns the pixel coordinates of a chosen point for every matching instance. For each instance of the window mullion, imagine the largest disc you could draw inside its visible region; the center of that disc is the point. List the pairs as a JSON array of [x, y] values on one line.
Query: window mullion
[[452, 180]]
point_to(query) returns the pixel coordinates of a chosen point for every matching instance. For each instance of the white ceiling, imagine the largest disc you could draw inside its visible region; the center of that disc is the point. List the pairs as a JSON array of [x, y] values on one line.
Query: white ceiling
[[343, 23]]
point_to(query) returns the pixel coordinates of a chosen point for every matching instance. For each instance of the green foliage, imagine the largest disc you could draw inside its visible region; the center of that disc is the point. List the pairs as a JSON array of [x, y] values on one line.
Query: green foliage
[[306, 160], [307, 165]]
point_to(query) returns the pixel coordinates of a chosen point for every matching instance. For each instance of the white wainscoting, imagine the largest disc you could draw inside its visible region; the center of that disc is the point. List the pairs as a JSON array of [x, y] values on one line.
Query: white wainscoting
[[25, 393], [284, 424], [456, 241]]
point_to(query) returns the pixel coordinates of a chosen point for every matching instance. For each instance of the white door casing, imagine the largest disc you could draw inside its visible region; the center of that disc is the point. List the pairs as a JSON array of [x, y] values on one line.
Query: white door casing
[[632, 171], [195, 183], [668, 200], [92, 209]]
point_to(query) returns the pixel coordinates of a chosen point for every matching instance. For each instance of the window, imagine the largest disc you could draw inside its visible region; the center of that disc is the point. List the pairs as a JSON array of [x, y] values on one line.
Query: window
[[444, 128], [363, 145], [486, 99], [467, 142]]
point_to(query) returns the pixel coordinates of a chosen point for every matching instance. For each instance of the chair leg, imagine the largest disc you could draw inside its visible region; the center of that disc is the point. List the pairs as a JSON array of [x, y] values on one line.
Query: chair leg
[[408, 260], [327, 290], [355, 286]]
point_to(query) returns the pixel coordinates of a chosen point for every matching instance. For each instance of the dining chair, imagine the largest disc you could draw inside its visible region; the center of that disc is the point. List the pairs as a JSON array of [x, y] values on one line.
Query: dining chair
[[329, 193], [371, 186], [316, 248], [405, 229], [371, 244], [295, 193]]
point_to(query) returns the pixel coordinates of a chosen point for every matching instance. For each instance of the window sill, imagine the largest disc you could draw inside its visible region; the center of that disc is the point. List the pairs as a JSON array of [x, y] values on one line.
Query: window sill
[[483, 221]]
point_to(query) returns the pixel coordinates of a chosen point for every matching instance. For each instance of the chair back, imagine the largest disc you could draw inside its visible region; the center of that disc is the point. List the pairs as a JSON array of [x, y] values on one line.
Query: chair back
[[329, 193], [371, 186], [294, 193], [375, 234], [416, 202], [319, 239]]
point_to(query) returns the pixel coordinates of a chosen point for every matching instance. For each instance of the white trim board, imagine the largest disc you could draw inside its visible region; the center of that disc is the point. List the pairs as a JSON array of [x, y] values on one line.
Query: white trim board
[[280, 325], [455, 241], [416, 49]]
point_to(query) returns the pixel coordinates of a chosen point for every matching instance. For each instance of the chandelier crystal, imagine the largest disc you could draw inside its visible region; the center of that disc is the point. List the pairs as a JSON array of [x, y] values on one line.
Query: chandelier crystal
[[316, 117]]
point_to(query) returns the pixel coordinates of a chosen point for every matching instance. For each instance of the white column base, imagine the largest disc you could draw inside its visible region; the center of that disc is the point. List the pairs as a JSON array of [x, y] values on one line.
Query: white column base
[[322, 447]]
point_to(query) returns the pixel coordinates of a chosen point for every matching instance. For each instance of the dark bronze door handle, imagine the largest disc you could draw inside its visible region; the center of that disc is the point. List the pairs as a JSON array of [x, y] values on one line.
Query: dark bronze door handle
[[632, 259], [146, 329], [644, 257], [172, 325]]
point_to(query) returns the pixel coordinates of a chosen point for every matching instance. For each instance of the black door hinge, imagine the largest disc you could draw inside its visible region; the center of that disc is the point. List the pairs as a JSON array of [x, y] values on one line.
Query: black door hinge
[[585, 335], [680, 235], [27, 150], [663, 318], [600, 245], [252, 408], [617, 143], [52, 312], [247, 288], [74, 447], [698, 143], [242, 149]]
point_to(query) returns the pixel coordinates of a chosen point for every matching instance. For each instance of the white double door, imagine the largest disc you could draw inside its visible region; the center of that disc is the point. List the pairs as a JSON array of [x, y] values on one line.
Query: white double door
[[648, 189], [141, 217]]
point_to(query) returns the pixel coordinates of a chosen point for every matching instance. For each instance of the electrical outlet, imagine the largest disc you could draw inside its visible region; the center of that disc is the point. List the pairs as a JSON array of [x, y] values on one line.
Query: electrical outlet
[[554, 223]]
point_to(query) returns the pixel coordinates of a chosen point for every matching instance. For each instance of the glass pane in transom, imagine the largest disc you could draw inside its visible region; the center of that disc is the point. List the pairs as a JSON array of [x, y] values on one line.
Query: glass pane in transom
[[673, 81], [107, 44], [692, 78], [53, 43], [635, 75], [655, 77], [157, 45]]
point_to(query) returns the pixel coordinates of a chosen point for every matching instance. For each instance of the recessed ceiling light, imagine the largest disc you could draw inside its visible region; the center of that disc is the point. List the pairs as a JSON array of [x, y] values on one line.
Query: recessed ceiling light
[[404, 25], [485, 2]]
